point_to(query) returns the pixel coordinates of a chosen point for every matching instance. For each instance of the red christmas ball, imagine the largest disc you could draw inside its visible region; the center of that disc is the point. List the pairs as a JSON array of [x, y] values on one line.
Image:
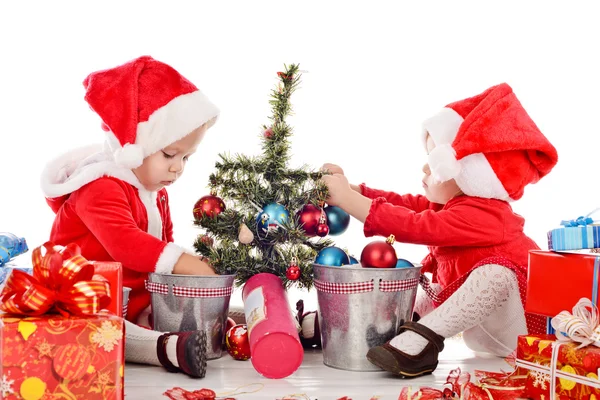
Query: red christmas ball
[[210, 206], [379, 254], [268, 133], [322, 230], [238, 345], [292, 273], [308, 219]]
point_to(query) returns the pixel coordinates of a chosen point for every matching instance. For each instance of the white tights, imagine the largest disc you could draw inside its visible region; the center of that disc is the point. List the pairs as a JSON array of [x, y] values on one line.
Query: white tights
[[487, 308]]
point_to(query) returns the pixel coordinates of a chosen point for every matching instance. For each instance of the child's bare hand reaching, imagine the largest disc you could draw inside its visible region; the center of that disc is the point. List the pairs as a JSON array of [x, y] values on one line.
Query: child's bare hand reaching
[[332, 169], [339, 189]]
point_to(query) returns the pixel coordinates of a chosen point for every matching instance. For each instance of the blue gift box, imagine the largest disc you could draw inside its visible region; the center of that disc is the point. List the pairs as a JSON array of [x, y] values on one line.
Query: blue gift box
[[574, 238]]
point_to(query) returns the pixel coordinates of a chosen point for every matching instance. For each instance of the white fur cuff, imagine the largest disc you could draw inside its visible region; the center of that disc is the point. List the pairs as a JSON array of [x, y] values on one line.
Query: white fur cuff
[[168, 258]]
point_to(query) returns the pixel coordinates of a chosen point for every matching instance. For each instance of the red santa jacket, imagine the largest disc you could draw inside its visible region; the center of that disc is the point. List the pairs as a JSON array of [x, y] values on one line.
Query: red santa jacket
[[106, 211], [459, 234]]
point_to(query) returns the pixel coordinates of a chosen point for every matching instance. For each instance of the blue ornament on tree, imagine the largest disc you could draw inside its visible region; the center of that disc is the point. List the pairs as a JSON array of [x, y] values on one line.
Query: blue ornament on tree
[[353, 260], [402, 263], [337, 220], [332, 257], [272, 216]]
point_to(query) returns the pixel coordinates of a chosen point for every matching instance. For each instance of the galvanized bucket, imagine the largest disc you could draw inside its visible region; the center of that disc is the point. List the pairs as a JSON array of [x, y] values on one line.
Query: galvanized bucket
[[126, 291], [360, 308], [187, 303]]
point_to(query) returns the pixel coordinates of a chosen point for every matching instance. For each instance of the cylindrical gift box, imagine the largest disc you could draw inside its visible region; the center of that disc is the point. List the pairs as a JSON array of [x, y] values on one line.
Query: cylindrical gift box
[[274, 343]]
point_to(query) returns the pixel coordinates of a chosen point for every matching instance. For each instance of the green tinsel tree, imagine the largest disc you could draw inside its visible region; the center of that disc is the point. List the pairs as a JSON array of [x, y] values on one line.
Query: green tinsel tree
[[246, 185]]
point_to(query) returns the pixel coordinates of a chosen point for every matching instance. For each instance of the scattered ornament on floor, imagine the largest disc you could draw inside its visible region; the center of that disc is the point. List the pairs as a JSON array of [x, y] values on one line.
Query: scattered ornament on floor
[[178, 393], [379, 254], [488, 385], [308, 219], [272, 216], [208, 206], [310, 334], [402, 263], [293, 271], [238, 345], [332, 257], [245, 236], [337, 220]]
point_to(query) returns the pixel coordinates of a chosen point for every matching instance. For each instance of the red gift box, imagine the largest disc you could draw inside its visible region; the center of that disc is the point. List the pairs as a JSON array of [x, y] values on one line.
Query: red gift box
[[113, 273], [556, 281], [575, 370], [61, 357]]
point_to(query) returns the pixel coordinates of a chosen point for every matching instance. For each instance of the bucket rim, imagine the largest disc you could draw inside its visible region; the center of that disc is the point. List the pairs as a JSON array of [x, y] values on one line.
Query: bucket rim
[[193, 276], [345, 268]]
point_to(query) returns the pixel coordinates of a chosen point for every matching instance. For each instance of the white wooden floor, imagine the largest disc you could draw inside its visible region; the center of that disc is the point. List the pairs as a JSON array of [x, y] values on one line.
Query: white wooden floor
[[312, 381]]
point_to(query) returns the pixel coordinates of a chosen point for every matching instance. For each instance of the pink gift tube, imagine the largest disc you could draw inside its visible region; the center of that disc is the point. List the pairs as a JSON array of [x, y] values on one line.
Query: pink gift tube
[[274, 343]]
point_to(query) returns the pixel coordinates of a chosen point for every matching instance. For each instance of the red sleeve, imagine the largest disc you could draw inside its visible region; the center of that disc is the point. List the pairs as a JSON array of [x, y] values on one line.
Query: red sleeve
[[416, 203], [465, 222], [103, 206]]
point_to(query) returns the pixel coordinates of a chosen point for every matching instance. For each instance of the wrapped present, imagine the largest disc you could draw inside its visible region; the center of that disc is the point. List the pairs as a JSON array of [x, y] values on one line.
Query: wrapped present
[[58, 357], [556, 281], [113, 273], [54, 342], [576, 234], [566, 364]]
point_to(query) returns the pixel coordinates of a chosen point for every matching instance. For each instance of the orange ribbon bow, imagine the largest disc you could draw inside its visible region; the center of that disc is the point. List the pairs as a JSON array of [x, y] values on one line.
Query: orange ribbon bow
[[62, 281]]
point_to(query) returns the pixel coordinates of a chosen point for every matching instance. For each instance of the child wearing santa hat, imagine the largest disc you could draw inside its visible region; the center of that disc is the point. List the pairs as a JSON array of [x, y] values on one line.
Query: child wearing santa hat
[[112, 201], [482, 152]]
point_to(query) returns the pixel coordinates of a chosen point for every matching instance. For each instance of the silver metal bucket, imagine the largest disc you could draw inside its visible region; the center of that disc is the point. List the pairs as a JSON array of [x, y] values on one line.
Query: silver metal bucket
[[126, 291], [360, 308], [187, 303]]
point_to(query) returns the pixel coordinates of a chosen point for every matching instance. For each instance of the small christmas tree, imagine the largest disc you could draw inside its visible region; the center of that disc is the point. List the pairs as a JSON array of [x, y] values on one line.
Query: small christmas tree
[[273, 211]]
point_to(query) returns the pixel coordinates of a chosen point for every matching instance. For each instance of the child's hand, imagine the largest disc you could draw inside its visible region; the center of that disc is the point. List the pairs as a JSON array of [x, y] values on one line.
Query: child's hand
[[191, 265], [339, 189], [332, 169]]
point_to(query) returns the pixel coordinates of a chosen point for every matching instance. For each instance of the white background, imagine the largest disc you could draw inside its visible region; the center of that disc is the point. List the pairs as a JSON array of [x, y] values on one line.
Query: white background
[[373, 74]]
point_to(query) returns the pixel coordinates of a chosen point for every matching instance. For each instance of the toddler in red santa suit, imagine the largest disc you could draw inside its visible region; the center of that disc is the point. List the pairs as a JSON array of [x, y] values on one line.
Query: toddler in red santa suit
[[112, 201], [482, 152]]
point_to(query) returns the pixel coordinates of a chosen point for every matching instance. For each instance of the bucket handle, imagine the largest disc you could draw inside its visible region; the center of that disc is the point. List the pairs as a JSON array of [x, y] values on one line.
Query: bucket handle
[[344, 288], [398, 286], [180, 291]]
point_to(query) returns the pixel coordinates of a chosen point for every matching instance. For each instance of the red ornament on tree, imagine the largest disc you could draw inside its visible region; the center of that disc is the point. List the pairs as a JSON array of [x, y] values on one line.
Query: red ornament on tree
[[268, 133], [210, 206], [379, 254], [308, 219], [293, 272], [237, 342], [322, 230]]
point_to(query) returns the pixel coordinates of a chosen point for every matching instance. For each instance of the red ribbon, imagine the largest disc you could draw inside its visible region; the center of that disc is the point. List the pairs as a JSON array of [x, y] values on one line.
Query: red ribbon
[[63, 281]]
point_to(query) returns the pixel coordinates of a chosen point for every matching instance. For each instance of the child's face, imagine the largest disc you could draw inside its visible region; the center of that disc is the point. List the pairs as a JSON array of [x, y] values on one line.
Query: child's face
[[166, 166], [438, 192]]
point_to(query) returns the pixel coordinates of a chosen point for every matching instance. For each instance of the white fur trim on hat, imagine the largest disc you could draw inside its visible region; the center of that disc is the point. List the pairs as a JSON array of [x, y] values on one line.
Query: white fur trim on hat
[[443, 163], [168, 258], [129, 156], [174, 121], [478, 178], [443, 126]]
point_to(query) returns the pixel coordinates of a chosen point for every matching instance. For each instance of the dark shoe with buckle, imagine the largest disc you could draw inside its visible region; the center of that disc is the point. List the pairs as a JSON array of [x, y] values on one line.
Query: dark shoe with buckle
[[405, 365]]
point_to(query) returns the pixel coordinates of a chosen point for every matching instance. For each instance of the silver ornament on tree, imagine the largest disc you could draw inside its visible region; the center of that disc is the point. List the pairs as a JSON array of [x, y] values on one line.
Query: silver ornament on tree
[[245, 235]]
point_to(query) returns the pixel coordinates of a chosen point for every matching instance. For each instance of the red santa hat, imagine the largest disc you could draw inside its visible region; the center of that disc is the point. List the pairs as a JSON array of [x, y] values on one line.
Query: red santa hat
[[489, 145], [145, 105]]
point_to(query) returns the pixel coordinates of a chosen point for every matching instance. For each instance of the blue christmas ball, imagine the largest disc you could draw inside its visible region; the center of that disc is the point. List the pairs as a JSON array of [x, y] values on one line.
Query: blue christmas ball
[[337, 220], [271, 217], [353, 260], [333, 257], [402, 263]]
